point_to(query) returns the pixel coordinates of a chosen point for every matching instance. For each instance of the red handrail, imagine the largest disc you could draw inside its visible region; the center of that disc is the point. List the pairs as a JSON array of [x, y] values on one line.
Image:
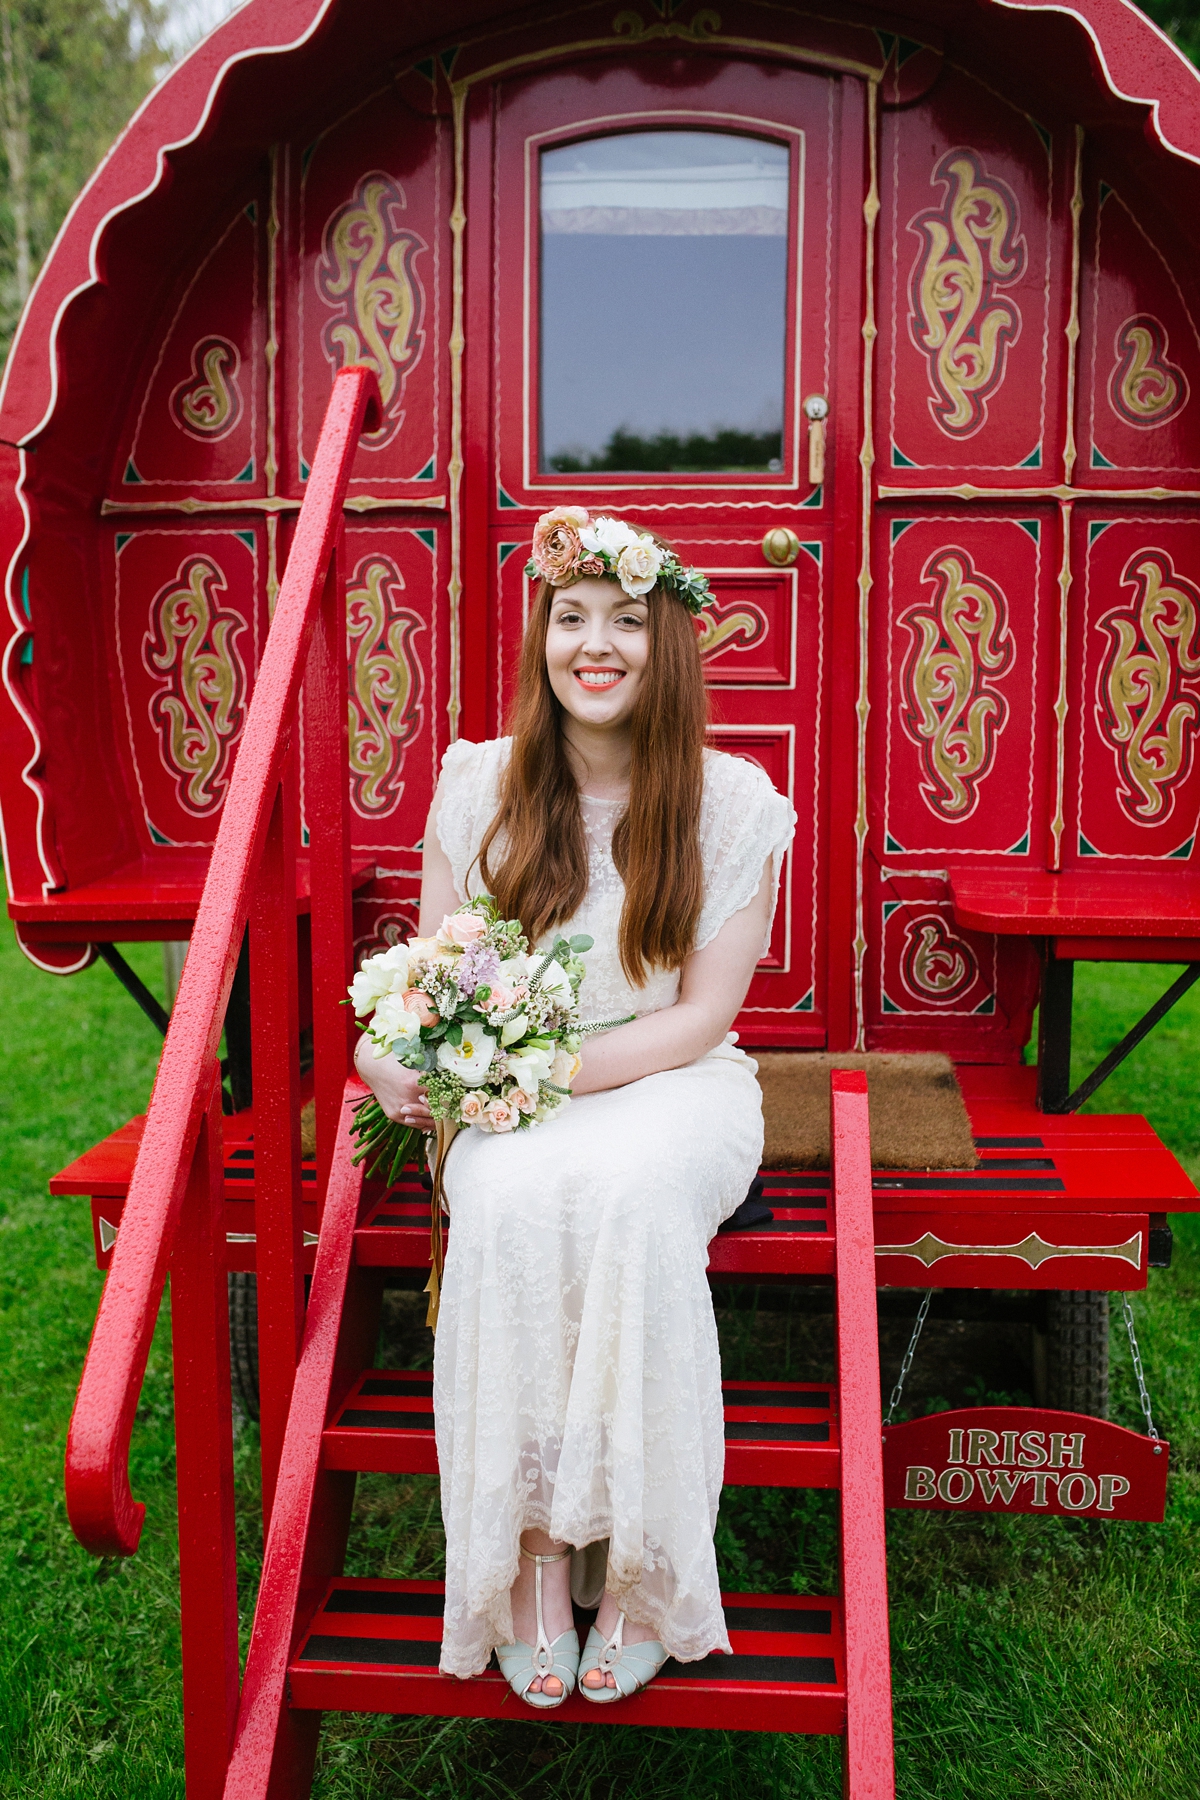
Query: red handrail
[[869, 1765], [103, 1513]]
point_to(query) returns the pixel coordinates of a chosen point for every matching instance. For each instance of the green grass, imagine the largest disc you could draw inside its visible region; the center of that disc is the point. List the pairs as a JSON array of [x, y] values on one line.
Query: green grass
[[1043, 1657]]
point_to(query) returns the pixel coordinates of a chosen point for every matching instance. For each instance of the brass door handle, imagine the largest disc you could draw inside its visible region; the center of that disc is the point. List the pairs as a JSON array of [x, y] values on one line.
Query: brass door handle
[[816, 411], [781, 546]]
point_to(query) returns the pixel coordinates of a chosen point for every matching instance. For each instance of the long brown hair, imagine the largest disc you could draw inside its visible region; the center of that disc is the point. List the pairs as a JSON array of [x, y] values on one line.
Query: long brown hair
[[656, 845]]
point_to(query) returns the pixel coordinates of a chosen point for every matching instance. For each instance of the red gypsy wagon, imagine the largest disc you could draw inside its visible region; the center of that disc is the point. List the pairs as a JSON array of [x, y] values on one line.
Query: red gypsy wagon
[[889, 319]]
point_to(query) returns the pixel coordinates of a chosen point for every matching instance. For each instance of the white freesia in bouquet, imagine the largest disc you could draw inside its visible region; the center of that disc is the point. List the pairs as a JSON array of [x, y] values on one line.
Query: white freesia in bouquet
[[492, 1026]]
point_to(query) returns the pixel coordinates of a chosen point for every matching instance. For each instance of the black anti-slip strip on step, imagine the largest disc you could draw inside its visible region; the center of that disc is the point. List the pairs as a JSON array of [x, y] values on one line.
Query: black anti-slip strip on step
[[789, 1225], [779, 1618], [780, 1671], [411, 1384], [758, 1431], [1010, 1143], [805, 1402], [380, 1600], [1017, 1162], [773, 1183], [983, 1183], [419, 1653], [385, 1421]]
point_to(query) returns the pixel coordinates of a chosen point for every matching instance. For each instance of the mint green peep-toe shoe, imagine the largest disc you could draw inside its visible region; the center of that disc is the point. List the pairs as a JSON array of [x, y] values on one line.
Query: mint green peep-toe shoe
[[521, 1666], [632, 1666]]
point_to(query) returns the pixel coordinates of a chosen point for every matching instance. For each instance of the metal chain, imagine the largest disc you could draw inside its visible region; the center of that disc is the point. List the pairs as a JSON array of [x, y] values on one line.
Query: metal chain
[[1136, 1357], [906, 1365]]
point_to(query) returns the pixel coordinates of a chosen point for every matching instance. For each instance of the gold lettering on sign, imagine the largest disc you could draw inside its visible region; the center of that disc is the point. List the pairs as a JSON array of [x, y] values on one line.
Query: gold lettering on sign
[[1147, 693], [208, 403], [200, 712], [386, 682], [1146, 388], [973, 248], [953, 710], [366, 274]]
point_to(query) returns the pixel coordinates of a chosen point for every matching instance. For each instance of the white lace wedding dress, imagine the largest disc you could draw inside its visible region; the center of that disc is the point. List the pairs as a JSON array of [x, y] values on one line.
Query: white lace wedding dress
[[577, 1383]]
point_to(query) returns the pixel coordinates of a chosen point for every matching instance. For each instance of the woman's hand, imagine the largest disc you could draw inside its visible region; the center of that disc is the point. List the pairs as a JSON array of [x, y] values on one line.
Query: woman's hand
[[396, 1088]]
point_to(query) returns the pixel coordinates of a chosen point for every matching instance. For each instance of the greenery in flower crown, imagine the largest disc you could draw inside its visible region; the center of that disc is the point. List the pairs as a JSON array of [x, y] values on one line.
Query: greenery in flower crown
[[568, 544]]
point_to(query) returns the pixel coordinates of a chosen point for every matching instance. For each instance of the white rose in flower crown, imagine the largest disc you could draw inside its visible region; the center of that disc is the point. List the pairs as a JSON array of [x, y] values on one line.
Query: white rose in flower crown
[[393, 1024], [609, 535], [386, 973], [461, 929], [638, 566], [471, 1059]]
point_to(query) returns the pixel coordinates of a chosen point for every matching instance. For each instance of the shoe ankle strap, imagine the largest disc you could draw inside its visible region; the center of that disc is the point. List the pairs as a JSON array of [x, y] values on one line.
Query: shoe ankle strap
[[530, 1556]]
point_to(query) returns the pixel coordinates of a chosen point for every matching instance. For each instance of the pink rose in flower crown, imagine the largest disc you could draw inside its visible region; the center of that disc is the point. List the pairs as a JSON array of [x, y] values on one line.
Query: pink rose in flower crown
[[461, 929], [417, 1002], [556, 546], [500, 1115], [470, 1110]]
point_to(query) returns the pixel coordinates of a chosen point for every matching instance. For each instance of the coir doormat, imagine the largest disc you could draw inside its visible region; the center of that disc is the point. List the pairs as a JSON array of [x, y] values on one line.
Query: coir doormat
[[918, 1120]]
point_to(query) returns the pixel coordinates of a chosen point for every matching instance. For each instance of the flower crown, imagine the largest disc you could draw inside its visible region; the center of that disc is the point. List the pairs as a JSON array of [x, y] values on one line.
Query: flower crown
[[569, 544]]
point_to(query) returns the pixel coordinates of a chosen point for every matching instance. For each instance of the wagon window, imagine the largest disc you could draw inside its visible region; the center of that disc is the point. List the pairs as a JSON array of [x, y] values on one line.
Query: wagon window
[[664, 259]]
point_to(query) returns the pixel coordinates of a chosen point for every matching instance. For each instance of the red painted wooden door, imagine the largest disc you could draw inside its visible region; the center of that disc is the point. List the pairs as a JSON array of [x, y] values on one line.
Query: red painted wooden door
[[675, 263]]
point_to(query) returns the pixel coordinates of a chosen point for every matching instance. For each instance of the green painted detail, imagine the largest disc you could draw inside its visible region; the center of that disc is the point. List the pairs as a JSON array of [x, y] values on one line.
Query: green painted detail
[[888, 40], [900, 526], [156, 836], [1042, 133], [1100, 461], [1033, 460], [889, 907], [805, 1005], [27, 652], [1184, 851], [428, 472], [131, 475], [1033, 527], [986, 1006], [1097, 527], [503, 552], [248, 538], [816, 498], [25, 591], [815, 551], [305, 837], [307, 158], [123, 538], [906, 49], [425, 67], [252, 212], [448, 58], [247, 473], [1105, 191], [427, 536], [889, 1005], [505, 500], [899, 460], [1020, 848], [1086, 849], [892, 847], [305, 471]]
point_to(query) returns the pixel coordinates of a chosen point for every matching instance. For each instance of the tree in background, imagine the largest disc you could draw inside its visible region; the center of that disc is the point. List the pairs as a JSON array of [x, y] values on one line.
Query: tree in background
[[71, 74], [1180, 19]]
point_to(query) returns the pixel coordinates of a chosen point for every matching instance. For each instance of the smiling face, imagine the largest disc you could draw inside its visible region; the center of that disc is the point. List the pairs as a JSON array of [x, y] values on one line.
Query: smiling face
[[597, 648]]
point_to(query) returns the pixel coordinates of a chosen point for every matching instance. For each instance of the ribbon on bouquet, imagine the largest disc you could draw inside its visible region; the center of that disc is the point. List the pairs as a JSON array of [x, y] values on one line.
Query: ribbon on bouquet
[[446, 1134]]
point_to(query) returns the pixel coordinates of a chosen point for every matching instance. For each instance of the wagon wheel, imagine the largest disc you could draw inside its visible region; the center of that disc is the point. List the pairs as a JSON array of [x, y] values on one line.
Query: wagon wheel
[[1076, 1352], [243, 1340]]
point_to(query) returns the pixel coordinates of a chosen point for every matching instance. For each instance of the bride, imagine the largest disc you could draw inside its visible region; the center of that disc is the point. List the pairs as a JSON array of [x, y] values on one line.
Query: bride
[[577, 1384]]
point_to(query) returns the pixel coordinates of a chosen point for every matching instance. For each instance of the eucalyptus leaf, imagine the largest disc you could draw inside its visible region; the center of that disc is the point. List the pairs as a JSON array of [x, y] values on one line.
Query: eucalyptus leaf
[[581, 943]]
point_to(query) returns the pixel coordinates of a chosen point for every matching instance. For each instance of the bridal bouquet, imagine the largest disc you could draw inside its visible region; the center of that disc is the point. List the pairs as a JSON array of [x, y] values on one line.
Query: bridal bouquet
[[493, 1027]]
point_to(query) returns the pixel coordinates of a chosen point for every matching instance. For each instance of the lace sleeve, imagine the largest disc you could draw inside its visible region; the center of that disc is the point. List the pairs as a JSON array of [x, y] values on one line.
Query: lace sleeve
[[470, 792], [743, 821]]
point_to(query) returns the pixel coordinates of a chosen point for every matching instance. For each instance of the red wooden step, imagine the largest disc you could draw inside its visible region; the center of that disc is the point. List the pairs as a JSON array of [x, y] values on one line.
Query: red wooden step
[[777, 1433], [373, 1646]]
